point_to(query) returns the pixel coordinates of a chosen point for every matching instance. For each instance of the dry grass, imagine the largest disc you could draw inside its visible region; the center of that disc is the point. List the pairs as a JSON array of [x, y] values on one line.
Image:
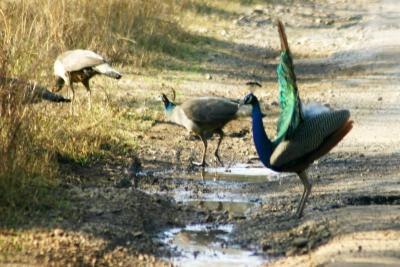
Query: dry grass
[[128, 31], [26, 170], [33, 137]]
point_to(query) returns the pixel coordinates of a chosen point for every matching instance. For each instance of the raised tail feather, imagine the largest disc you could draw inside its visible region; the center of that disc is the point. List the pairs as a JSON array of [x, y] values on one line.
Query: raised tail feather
[[290, 104], [282, 36]]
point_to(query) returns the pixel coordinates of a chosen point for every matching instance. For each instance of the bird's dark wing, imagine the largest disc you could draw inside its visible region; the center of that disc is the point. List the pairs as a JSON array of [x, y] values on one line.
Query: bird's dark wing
[[211, 110], [308, 136], [75, 60], [290, 105]]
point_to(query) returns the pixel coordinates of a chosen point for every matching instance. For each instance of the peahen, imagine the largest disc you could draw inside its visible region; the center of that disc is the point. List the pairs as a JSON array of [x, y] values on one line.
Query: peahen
[[204, 116], [304, 133], [79, 65]]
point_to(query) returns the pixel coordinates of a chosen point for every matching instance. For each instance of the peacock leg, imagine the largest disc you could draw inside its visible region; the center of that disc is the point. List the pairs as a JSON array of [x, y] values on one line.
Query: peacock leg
[[307, 190], [221, 136], [203, 162], [86, 84], [71, 110]]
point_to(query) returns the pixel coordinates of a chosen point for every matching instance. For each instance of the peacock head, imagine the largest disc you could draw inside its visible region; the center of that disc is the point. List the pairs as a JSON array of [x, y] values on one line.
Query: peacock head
[[168, 105], [250, 99]]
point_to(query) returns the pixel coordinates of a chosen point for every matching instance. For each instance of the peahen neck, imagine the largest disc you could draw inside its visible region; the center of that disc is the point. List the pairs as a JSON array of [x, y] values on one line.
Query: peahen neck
[[262, 143], [169, 107]]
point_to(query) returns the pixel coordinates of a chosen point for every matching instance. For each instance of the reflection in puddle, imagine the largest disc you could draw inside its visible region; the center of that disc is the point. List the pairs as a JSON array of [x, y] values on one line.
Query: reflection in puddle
[[232, 207], [181, 195], [243, 169], [206, 245], [242, 173]]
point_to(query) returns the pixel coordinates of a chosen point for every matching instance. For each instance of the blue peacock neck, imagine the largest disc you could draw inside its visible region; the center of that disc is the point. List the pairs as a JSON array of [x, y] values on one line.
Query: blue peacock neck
[[262, 143]]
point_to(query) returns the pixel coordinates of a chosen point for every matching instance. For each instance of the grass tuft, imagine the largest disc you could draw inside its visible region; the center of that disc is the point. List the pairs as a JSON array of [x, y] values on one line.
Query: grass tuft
[[27, 171]]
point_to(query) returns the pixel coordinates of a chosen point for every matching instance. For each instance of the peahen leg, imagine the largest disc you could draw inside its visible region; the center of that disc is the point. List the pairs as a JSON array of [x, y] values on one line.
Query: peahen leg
[[307, 190], [86, 84], [221, 136], [203, 162], [71, 107]]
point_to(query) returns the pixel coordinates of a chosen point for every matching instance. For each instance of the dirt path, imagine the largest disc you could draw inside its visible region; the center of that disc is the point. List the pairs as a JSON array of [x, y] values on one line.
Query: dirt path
[[346, 54]]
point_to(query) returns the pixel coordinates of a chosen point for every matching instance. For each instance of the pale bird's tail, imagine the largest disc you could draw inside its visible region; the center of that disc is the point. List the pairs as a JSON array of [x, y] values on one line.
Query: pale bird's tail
[[106, 69]]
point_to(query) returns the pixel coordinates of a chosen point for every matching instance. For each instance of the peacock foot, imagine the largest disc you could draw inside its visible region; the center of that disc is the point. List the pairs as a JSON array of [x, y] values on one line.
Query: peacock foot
[[219, 160], [297, 215]]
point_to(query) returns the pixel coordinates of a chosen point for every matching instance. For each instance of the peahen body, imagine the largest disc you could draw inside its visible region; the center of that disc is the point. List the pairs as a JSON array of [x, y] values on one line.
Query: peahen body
[[304, 133], [79, 65], [204, 116]]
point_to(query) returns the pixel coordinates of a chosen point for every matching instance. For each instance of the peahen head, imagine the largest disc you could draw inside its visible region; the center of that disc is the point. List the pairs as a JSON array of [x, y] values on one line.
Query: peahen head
[[59, 84], [168, 105]]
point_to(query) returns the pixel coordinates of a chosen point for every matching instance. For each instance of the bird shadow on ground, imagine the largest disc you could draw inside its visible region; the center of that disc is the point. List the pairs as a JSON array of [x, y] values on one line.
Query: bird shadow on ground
[[208, 55], [328, 212]]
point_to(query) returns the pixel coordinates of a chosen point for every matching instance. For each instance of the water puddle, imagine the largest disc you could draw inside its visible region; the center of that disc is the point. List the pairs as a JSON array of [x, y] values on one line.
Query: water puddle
[[232, 207], [217, 184], [182, 195], [236, 173], [206, 245], [226, 194], [240, 173]]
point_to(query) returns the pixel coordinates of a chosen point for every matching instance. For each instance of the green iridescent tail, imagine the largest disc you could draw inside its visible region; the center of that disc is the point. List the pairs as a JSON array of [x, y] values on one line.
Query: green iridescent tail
[[290, 105]]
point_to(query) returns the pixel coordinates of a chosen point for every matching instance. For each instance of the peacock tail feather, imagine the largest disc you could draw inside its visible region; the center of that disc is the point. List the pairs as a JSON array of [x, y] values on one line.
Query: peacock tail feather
[[290, 104]]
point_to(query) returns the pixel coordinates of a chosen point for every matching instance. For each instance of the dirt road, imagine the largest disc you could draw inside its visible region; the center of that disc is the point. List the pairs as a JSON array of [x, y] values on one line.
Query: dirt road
[[346, 53]]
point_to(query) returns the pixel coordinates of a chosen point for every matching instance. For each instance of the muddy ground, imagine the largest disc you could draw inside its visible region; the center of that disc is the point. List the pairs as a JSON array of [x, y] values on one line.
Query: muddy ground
[[346, 54]]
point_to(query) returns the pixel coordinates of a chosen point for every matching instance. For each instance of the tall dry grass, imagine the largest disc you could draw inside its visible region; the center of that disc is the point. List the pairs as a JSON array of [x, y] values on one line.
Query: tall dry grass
[[26, 170], [32, 33], [128, 31]]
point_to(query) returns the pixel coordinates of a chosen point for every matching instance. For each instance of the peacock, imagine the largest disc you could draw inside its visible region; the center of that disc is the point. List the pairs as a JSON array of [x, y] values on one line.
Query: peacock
[[304, 133], [80, 65], [204, 116], [31, 91]]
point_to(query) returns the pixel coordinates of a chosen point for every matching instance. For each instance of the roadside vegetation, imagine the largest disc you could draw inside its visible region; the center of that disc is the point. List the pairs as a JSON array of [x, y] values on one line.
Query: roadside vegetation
[[34, 139]]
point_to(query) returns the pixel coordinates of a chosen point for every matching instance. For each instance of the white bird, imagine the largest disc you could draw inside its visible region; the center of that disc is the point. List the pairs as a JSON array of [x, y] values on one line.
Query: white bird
[[79, 65]]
